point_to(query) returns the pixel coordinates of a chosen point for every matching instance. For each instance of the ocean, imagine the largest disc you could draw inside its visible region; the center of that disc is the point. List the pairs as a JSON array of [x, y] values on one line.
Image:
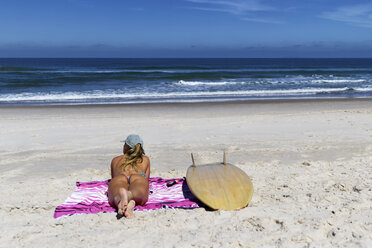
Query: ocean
[[107, 81]]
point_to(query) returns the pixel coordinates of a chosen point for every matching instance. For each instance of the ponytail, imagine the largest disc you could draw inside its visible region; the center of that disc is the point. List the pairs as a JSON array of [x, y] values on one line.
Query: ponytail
[[133, 155]]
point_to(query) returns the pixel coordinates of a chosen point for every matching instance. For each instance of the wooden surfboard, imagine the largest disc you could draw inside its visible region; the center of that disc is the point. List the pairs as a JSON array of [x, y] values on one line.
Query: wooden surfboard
[[220, 185]]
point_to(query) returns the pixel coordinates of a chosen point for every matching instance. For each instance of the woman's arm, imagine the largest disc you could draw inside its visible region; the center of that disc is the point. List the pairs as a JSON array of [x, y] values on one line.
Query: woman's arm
[[114, 162], [148, 168], [112, 168]]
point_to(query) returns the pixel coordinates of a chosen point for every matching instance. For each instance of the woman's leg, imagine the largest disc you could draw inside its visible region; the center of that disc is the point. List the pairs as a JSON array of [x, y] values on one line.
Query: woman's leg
[[118, 193], [138, 193]]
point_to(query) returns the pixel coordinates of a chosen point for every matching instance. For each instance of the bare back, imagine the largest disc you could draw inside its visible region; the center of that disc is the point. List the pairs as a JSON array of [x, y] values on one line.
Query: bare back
[[142, 166]]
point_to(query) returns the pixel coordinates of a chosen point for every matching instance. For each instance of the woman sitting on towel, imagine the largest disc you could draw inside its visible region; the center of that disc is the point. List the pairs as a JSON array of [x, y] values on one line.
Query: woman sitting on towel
[[130, 174]]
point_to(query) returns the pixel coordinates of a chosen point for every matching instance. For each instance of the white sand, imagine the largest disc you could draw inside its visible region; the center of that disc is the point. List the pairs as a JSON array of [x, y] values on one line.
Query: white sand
[[310, 162]]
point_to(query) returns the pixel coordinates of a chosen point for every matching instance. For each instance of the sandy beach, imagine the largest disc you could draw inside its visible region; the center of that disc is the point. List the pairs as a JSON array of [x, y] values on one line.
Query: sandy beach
[[310, 162]]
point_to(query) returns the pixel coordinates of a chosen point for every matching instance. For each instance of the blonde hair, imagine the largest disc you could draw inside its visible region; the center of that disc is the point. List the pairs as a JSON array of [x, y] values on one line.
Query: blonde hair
[[133, 155]]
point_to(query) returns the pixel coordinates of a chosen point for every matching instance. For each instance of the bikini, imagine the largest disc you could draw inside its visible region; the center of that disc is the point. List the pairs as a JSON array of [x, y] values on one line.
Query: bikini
[[141, 173]]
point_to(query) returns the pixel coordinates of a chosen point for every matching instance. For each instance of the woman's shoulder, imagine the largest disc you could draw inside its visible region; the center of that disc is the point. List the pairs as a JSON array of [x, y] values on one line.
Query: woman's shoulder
[[145, 162], [117, 159], [145, 158]]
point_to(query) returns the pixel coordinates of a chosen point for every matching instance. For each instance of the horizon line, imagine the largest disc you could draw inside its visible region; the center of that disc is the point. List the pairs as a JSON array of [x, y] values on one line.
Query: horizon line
[[185, 57]]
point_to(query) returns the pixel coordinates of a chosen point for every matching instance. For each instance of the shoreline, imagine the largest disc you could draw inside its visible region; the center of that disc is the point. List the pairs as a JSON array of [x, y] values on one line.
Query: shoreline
[[180, 104]]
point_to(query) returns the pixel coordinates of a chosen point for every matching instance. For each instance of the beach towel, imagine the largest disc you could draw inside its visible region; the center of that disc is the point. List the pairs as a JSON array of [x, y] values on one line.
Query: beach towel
[[91, 197]]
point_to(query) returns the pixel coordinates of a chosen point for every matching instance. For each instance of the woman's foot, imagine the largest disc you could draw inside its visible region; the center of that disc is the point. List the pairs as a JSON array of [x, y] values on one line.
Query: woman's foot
[[123, 201], [129, 210]]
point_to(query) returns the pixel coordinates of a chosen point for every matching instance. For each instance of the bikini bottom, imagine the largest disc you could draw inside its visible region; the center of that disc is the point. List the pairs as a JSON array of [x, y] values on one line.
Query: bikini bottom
[[142, 174]]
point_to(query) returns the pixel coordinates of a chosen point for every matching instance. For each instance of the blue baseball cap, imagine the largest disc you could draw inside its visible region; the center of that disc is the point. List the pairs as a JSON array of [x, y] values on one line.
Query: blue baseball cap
[[132, 140]]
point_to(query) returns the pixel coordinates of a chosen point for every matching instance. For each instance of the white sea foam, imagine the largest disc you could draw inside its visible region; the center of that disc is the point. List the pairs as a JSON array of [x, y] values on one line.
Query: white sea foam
[[338, 81], [196, 83], [101, 95], [363, 89], [292, 80]]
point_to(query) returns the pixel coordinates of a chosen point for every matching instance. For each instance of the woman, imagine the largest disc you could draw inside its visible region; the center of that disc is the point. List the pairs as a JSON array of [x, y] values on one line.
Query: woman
[[130, 174]]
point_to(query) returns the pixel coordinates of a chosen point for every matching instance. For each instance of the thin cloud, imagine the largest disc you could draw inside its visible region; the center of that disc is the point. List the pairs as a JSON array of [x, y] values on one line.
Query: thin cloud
[[251, 19], [236, 7], [358, 15], [246, 10]]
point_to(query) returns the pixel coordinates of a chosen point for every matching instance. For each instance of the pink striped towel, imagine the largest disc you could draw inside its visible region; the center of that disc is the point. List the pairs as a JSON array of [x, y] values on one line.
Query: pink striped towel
[[91, 197]]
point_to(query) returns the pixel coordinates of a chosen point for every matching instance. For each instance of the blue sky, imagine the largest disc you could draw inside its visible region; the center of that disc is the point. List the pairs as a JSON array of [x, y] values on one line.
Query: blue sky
[[186, 28]]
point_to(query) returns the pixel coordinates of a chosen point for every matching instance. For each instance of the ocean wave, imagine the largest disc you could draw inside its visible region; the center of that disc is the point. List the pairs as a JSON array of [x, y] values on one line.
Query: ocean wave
[[166, 68], [338, 81], [196, 83], [295, 80], [102, 95]]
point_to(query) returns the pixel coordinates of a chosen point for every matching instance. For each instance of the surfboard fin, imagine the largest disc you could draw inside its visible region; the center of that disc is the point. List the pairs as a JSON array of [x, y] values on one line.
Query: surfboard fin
[[193, 161]]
